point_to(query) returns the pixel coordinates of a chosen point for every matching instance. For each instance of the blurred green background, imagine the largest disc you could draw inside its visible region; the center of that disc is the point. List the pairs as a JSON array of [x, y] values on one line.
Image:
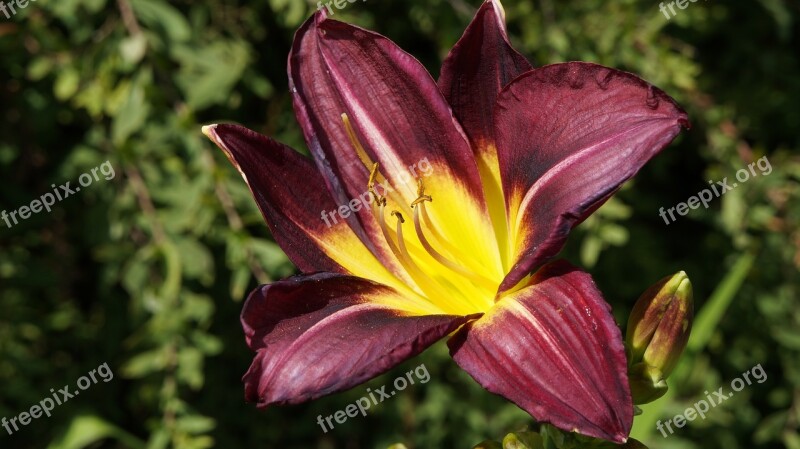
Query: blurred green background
[[147, 271]]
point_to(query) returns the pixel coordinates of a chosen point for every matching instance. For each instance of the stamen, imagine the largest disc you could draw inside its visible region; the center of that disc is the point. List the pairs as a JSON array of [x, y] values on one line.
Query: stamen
[[399, 216], [382, 224], [420, 200], [423, 281], [401, 242], [437, 237], [351, 133], [418, 204], [371, 185], [374, 174], [402, 252]]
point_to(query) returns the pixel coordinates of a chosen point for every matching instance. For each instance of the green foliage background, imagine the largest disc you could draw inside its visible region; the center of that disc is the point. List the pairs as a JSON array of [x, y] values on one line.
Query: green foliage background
[[147, 271]]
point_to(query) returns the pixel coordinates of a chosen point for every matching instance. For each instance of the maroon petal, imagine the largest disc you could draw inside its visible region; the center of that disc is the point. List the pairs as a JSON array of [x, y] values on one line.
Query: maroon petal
[[480, 64], [553, 349], [292, 197], [394, 105], [322, 333], [287, 188], [401, 118], [568, 135]]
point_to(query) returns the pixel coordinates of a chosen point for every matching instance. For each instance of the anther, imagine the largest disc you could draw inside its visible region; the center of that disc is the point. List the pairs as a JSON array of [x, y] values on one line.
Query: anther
[[371, 185], [421, 197], [399, 216]]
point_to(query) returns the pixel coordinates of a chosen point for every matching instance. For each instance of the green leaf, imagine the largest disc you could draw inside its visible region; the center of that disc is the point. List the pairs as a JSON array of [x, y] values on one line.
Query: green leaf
[[86, 430], [614, 234], [162, 16], [132, 116], [207, 74], [770, 428], [39, 68], [145, 363], [239, 282], [174, 273], [197, 260], [66, 84], [271, 257], [590, 250], [133, 48], [714, 309], [190, 367], [195, 424]]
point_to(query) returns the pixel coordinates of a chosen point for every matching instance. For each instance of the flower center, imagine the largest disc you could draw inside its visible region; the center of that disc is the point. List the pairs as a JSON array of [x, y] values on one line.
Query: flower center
[[426, 254]]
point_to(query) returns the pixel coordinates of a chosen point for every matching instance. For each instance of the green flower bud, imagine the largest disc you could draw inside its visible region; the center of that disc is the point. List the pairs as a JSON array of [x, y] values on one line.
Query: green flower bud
[[523, 440], [658, 330], [647, 383]]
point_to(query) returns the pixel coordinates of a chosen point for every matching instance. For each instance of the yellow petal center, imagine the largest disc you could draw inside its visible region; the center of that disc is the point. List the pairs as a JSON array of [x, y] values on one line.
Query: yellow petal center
[[446, 272]]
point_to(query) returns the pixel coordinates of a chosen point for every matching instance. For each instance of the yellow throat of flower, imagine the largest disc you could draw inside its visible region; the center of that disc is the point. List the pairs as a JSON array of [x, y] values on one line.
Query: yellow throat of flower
[[443, 274]]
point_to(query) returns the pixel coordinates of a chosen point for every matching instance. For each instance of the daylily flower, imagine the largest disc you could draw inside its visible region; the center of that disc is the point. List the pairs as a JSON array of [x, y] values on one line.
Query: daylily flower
[[517, 157]]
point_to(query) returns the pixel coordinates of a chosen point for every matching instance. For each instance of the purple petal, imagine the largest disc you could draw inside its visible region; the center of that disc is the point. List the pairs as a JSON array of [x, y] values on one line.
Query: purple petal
[[322, 333], [568, 135], [480, 64], [553, 349]]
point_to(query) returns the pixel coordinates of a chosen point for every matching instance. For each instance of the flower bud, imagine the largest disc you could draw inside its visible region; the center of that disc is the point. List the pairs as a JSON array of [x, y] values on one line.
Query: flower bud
[[523, 440], [647, 383], [658, 330]]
